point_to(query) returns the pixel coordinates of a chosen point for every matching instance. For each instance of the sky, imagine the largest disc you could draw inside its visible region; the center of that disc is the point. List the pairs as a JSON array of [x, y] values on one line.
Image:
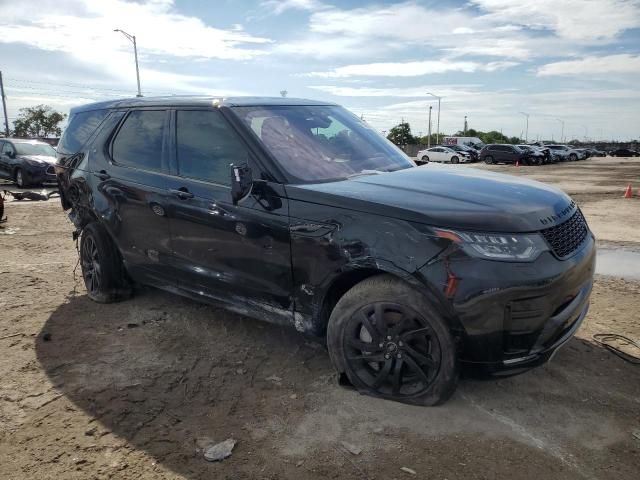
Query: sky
[[563, 62]]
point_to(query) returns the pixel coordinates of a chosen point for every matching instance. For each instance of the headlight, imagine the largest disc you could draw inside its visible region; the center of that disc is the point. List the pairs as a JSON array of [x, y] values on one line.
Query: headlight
[[520, 247]]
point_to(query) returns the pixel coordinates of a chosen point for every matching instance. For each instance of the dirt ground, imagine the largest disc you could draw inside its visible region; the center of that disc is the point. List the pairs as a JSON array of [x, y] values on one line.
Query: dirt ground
[[134, 390]]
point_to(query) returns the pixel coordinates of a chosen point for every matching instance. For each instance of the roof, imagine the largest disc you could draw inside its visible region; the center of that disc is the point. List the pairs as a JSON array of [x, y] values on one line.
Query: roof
[[195, 101]]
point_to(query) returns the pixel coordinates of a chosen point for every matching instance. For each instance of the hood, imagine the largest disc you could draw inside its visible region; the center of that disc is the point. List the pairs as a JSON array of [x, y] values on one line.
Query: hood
[[40, 158], [454, 197]]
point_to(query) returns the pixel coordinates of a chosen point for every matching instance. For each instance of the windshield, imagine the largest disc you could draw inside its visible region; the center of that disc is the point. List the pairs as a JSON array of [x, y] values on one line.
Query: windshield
[[35, 149], [322, 143]]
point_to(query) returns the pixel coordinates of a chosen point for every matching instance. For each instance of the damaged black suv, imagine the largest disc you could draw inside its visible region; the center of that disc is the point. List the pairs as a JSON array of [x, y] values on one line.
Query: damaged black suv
[[299, 213]]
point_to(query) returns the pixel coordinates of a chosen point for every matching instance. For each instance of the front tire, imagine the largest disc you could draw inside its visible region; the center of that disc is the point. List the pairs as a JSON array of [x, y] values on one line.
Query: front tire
[[20, 178], [573, 157], [391, 342], [425, 159], [103, 272], [455, 160]]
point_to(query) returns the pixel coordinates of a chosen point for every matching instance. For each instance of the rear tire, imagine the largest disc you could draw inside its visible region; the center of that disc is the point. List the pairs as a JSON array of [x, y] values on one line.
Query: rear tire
[[391, 342], [488, 160], [104, 275]]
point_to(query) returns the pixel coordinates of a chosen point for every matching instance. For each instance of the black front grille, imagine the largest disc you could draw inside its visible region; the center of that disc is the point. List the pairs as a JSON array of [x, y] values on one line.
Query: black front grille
[[565, 238], [51, 170]]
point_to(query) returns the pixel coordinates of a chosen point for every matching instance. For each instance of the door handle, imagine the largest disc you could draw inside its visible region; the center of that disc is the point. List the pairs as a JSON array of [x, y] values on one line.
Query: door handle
[[102, 175], [182, 193]]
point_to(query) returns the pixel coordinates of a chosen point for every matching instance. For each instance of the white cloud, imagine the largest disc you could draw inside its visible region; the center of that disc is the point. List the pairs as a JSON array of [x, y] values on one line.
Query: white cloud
[[605, 65], [84, 29], [410, 69], [571, 19], [280, 6]]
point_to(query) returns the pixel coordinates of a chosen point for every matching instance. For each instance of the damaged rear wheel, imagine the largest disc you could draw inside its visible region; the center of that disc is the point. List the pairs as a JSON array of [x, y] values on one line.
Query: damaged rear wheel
[[392, 343], [102, 270]]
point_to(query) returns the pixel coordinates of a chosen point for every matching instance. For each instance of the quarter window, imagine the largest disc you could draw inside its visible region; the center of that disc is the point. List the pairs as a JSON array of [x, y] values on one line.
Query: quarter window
[[206, 146], [80, 128], [139, 142]]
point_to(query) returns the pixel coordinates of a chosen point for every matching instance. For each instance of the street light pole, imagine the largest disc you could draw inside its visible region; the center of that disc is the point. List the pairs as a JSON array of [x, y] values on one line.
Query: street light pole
[[526, 134], [438, 121], [132, 38], [562, 134], [429, 134]]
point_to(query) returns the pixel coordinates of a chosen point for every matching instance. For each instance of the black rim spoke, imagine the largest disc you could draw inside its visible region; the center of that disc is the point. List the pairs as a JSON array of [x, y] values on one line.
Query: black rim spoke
[[397, 377], [369, 357], [373, 330], [414, 333], [382, 376], [416, 368], [364, 346], [419, 357]]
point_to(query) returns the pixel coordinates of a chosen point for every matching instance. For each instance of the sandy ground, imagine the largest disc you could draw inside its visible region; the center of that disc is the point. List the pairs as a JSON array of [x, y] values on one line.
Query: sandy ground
[[135, 390]]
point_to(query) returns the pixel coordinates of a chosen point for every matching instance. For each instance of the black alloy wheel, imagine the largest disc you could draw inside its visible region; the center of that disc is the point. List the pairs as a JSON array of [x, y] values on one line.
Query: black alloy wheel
[[103, 271], [91, 268], [488, 160], [392, 349]]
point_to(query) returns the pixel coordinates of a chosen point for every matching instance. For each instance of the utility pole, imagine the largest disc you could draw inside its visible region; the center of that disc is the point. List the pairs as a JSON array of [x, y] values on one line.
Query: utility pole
[[4, 107], [526, 135], [561, 134], [438, 121], [429, 134], [465, 125], [132, 38]]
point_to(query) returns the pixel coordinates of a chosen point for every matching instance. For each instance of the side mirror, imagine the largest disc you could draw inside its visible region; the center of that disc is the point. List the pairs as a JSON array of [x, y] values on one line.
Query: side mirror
[[11, 154], [241, 182]]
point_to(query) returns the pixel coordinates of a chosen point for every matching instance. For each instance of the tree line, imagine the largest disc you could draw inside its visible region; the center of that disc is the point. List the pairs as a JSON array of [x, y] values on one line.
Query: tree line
[[401, 135], [40, 121]]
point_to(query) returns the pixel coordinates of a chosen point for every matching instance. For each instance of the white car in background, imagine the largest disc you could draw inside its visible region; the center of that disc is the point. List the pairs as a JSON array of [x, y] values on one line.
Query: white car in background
[[442, 154]]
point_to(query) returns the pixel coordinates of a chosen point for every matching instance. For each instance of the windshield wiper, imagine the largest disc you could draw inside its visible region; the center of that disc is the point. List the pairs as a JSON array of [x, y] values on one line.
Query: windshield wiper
[[365, 172]]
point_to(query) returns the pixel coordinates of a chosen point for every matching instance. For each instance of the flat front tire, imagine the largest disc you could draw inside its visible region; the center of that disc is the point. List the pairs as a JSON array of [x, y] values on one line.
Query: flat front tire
[[103, 272], [391, 342]]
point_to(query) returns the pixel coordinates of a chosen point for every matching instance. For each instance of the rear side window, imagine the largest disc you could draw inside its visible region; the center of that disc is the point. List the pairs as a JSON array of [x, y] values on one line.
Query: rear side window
[[206, 146], [138, 143], [81, 126]]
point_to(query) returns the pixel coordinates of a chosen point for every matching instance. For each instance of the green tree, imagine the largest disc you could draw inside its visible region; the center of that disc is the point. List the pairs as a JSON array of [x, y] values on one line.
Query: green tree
[[401, 134], [38, 122]]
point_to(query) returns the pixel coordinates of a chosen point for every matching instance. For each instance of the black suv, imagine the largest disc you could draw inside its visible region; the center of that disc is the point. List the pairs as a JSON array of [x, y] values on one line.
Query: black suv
[[496, 153], [27, 162], [299, 213]]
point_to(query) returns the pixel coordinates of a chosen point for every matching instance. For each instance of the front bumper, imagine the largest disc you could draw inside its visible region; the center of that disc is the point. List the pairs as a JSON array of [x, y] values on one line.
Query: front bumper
[[512, 317], [40, 174]]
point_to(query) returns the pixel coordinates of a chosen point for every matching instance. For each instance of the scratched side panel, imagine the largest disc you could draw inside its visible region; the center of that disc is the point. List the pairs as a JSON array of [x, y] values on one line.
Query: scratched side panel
[[328, 241]]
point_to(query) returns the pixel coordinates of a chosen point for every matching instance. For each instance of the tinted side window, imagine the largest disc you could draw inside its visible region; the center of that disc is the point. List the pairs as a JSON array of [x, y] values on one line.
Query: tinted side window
[[139, 141], [6, 148], [81, 126], [206, 146]]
